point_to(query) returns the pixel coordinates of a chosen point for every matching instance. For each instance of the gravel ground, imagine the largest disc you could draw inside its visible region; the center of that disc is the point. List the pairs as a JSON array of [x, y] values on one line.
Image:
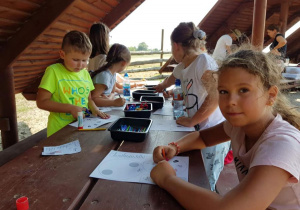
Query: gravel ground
[[31, 119]]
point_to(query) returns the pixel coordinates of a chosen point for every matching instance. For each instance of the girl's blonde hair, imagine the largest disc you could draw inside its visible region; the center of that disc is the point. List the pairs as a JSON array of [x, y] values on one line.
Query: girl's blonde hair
[[264, 66], [116, 54], [189, 36]]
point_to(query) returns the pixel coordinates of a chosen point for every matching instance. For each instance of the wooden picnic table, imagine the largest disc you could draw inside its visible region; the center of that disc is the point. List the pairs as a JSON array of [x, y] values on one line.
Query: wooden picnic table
[[63, 182]]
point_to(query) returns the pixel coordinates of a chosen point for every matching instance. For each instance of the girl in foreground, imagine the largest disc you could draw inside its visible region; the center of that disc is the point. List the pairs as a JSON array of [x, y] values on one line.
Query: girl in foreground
[[264, 131]]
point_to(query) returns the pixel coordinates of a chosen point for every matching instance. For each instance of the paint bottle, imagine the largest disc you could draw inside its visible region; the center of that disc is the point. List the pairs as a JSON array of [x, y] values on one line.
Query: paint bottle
[[80, 120]]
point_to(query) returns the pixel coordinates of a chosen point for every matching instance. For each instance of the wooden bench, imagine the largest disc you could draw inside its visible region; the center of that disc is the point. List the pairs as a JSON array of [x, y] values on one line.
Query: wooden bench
[[20, 147]]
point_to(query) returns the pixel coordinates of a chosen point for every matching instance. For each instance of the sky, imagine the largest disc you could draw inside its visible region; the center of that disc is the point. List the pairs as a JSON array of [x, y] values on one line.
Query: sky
[[145, 24]]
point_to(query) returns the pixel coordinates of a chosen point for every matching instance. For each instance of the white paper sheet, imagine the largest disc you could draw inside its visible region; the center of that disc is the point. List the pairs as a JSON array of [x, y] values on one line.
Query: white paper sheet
[[135, 167], [166, 111], [168, 125], [105, 109], [94, 122], [69, 148]]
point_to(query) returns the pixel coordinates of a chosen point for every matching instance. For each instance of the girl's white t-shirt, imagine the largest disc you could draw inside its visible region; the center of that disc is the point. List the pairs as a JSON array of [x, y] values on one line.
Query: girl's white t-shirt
[[278, 146], [193, 88]]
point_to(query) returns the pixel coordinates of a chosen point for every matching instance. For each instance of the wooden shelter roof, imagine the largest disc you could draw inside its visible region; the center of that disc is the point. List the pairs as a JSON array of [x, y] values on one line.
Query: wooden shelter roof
[[31, 31], [230, 14]]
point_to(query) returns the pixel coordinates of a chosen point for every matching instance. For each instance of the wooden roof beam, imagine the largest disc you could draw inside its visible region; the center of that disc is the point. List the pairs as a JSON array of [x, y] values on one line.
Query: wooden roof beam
[[31, 30], [284, 12], [120, 12], [228, 23], [269, 14], [258, 23]]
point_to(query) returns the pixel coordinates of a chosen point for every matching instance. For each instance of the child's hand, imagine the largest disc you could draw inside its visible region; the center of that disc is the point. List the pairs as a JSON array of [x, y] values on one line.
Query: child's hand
[[159, 88], [167, 94], [170, 152], [119, 102], [161, 172], [101, 114], [185, 121], [74, 111]]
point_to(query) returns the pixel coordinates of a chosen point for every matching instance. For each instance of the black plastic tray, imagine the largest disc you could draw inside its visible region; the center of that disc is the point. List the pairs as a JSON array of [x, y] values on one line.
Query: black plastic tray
[[137, 123], [150, 87], [138, 113], [157, 101], [138, 93]]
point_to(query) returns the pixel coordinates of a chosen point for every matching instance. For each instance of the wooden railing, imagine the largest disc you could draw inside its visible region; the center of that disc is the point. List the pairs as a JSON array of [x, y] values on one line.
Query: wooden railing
[[145, 62]]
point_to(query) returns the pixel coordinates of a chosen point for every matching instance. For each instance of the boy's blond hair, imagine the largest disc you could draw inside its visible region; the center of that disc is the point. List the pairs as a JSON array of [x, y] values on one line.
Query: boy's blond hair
[[77, 41]]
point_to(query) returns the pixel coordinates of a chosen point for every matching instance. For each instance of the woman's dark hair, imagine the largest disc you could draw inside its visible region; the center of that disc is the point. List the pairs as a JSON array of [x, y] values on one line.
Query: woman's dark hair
[[116, 54], [99, 36], [273, 27]]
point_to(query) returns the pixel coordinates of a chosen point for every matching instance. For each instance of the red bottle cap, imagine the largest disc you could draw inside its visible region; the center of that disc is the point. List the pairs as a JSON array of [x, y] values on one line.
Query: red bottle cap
[[22, 203]]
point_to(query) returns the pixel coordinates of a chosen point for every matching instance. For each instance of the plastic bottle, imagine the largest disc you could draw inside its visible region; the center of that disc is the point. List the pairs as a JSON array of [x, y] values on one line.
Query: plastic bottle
[[178, 100], [126, 87]]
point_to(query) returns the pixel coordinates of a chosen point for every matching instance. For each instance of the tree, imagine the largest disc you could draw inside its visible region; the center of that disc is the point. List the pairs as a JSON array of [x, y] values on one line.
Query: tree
[[142, 47], [132, 48]]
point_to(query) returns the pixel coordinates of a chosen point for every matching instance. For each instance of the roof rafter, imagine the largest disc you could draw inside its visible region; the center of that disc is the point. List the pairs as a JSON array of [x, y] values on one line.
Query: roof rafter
[[120, 12], [32, 29], [228, 23]]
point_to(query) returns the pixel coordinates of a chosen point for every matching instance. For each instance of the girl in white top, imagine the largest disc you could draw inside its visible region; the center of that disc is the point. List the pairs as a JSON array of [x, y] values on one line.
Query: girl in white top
[[264, 131], [195, 70]]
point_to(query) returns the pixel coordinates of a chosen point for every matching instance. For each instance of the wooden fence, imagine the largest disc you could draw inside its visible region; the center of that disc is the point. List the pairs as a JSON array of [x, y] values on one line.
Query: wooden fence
[[144, 62]]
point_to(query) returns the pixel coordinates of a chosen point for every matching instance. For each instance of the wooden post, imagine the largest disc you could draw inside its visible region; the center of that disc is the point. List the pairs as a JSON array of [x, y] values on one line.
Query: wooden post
[[284, 11], [258, 26], [162, 45], [8, 108]]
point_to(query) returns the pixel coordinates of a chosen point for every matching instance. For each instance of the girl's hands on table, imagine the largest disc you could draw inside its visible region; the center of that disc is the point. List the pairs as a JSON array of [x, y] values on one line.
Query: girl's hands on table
[[119, 101], [101, 114], [185, 121], [161, 172], [170, 152]]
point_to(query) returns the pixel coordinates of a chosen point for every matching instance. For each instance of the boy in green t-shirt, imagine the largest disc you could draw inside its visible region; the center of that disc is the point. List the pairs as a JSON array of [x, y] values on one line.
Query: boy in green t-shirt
[[65, 87]]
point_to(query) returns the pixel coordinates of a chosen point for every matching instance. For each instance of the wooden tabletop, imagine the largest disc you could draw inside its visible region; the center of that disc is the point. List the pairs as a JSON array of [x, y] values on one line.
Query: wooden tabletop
[[63, 182]]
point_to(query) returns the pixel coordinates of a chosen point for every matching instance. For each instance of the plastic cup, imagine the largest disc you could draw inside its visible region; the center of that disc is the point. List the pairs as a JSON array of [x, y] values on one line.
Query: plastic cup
[[22, 203]]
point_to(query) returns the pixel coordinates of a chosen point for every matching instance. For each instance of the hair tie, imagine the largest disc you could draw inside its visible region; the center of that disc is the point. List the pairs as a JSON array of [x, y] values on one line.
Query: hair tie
[[199, 34]]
